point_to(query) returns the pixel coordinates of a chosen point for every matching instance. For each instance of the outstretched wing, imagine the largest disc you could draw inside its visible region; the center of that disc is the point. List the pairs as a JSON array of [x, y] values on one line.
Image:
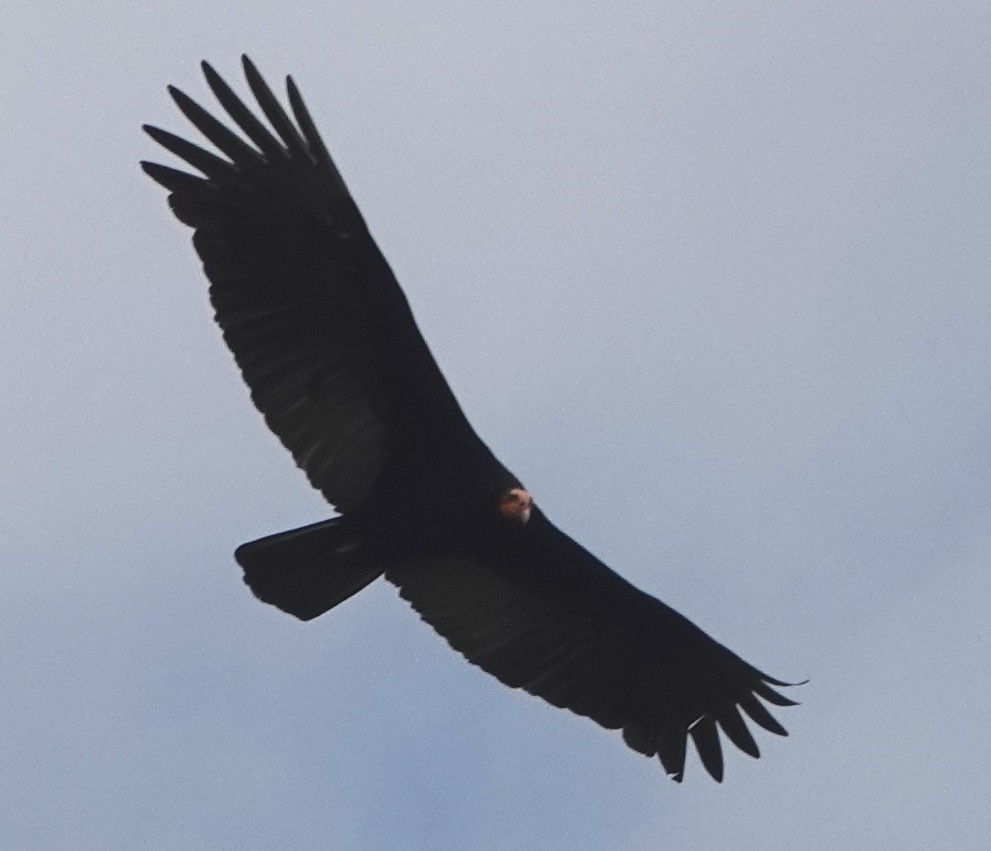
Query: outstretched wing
[[308, 305], [544, 615]]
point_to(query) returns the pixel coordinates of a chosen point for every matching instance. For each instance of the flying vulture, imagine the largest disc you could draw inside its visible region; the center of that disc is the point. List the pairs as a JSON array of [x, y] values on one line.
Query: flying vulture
[[326, 342]]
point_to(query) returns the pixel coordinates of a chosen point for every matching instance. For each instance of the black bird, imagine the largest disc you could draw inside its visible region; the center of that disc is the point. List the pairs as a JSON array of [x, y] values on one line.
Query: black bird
[[326, 342]]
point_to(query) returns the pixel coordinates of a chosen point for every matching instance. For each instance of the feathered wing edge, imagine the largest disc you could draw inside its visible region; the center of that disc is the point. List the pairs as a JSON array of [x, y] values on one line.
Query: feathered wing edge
[[299, 141], [575, 655], [314, 316]]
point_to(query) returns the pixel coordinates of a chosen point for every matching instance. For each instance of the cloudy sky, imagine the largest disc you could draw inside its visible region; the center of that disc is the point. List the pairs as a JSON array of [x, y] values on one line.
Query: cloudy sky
[[711, 277]]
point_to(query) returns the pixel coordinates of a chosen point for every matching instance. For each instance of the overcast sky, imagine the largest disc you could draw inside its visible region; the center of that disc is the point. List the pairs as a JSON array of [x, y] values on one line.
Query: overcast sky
[[712, 278]]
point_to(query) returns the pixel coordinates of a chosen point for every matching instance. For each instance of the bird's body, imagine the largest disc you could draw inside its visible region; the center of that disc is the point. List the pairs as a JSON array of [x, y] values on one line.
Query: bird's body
[[328, 346]]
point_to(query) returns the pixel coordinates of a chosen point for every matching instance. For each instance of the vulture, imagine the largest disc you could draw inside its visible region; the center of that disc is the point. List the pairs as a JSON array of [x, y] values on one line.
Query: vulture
[[327, 344]]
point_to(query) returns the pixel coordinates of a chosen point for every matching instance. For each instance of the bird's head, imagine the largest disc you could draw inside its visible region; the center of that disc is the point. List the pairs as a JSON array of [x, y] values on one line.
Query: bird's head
[[515, 505]]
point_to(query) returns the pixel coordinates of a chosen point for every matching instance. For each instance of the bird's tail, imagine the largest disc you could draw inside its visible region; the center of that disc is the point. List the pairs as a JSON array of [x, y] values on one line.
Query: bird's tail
[[307, 571]]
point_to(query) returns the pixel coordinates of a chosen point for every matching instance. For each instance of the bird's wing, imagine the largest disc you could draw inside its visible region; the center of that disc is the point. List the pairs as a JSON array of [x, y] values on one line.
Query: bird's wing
[[544, 615], [308, 305]]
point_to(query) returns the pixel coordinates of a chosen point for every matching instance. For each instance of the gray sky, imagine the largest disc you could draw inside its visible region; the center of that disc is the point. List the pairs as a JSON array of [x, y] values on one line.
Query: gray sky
[[712, 278]]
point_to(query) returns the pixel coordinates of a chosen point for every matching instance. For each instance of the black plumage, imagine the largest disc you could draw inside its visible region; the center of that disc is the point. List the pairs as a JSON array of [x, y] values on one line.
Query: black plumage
[[327, 344]]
